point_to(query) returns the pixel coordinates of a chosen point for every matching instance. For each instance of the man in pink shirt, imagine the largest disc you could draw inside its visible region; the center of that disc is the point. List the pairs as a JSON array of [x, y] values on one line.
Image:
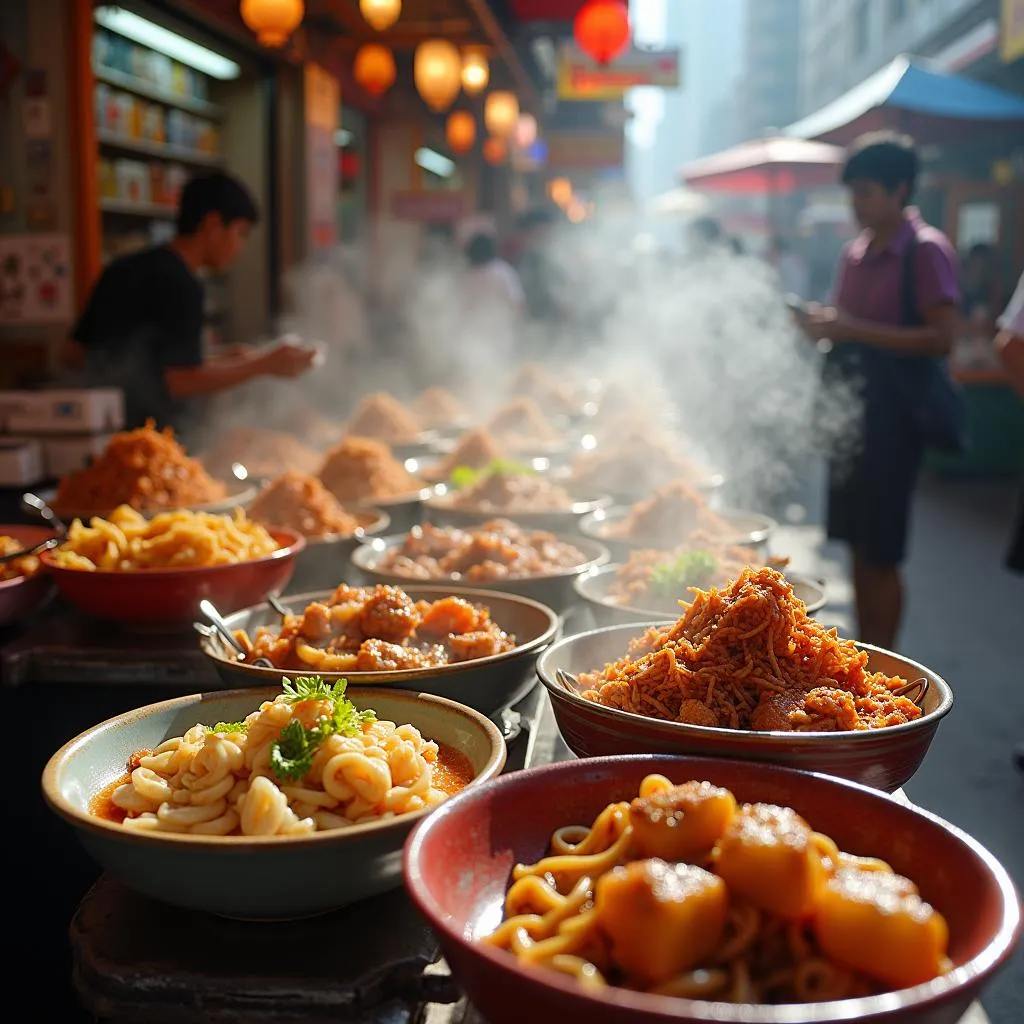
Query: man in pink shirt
[[893, 323]]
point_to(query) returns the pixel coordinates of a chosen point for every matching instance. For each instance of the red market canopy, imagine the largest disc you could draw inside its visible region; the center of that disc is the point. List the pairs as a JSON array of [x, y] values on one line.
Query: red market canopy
[[914, 96], [776, 165]]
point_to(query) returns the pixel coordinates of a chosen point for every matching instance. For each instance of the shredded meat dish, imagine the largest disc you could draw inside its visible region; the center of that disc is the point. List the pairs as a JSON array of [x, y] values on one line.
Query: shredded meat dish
[[379, 629], [361, 469], [302, 503], [672, 514], [497, 550], [511, 492]]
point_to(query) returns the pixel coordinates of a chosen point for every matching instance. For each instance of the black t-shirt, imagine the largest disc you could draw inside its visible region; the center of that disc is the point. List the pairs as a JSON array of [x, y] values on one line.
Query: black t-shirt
[[144, 315]]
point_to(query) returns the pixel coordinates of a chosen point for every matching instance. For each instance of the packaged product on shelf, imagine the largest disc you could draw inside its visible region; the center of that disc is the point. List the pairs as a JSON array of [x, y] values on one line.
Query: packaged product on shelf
[[198, 84], [132, 181], [175, 128], [179, 80], [153, 124], [109, 115], [175, 176], [101, 49], [162, 69], [107, 179], [157, 194], [138, 61]]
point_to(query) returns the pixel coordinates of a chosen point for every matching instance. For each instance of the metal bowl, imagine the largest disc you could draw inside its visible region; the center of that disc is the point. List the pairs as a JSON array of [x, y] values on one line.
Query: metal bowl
[[404, 510], [438, 510], [554, 590], [594, 587], [749, 529], [241, 497], [425, 443], [251, 877], [487, 684], [326, 561], [23, 595], [881, 758]]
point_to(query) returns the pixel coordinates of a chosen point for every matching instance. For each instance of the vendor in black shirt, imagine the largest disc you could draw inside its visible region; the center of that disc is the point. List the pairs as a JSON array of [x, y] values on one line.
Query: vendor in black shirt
[[142, 327]]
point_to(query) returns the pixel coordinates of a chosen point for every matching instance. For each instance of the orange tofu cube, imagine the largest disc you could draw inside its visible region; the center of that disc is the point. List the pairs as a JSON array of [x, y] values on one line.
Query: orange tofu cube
[[661, 919], [768, 857], [876, 923], [681, 823]]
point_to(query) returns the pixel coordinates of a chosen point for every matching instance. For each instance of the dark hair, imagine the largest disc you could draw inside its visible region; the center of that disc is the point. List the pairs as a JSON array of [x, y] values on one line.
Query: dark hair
[[214, 193], [481, 249], [886, 158]]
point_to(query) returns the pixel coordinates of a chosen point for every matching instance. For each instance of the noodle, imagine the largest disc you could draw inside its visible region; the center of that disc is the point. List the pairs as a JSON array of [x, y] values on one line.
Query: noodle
[[682, 892], [146, 469], [747, 656], [126, 540], [302, 503]]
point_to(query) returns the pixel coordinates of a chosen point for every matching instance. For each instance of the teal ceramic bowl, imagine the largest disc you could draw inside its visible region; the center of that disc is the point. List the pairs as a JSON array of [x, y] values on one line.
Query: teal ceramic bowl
[[251, 877]]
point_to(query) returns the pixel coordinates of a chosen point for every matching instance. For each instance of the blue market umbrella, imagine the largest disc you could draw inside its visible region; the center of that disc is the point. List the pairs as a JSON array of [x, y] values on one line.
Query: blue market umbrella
[[913, 95]]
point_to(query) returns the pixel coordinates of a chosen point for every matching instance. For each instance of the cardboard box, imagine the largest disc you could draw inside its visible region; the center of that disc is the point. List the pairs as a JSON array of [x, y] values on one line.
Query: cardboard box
[[21, 463], [65, 455], [64, 411]]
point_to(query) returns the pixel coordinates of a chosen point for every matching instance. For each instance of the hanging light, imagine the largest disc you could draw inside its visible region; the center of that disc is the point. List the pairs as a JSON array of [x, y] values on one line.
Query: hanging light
[[273, 21], [495, 150], [501, 112], [561, 192], [525, 132], [380, 14], [374, 68], [460, 131], [476, 71], [601, 29], [437, 70]]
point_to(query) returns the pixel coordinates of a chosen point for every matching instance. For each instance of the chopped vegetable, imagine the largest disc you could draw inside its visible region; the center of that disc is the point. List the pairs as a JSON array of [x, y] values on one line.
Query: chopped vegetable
[[230, 727], [465, 476], [690, 569]]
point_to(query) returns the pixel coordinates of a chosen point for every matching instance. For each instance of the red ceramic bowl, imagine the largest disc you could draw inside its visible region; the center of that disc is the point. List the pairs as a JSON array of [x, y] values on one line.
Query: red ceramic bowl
[[22, 595], [170, 597], [458, 862], [881, 758]]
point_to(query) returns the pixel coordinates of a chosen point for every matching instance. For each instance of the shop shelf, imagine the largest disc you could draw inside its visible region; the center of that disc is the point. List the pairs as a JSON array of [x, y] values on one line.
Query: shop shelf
[[141, 146], [153, 92]]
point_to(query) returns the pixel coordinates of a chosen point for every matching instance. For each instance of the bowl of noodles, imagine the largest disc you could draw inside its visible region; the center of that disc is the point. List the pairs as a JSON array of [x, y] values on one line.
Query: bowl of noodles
[[149, 471], [152, 573], [687, 890], [744, 672], [651, 584], [270, 803], [24, 586], [476, 647]]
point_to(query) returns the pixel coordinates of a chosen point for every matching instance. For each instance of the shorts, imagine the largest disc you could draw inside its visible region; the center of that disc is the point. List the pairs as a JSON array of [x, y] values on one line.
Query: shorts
[[870, 493]]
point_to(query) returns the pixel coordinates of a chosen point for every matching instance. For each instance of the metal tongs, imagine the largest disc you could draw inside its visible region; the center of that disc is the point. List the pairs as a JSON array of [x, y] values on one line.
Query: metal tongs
[[223, 630], [43, 510]]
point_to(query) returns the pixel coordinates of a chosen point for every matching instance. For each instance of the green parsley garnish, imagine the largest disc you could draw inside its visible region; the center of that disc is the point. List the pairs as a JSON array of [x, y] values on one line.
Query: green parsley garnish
[[291, 754], [690, 569], [465, 476], [230, 727]]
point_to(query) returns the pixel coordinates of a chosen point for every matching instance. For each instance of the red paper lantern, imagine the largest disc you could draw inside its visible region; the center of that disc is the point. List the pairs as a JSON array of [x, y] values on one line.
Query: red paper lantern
[[601, 29]]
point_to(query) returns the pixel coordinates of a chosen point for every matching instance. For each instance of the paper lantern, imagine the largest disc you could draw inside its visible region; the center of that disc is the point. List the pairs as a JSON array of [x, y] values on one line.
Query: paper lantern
[[380, 14], [273, 21], [374, 68], [437, 71], [526, 131], [501, 112], [460, 131], [561, 192], [495, 150], [476, 71], [601, 29]]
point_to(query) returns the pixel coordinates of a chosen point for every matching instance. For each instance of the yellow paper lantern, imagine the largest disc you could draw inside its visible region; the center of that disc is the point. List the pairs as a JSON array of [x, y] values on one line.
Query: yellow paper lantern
[[273, 21], [437, 71], [495, 150], [561, 192], [526, 131], [374, 68], [476, 70], [380, 14], [460, 131], [501, 112]]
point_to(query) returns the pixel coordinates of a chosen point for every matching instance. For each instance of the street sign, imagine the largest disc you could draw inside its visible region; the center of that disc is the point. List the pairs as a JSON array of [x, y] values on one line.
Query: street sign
[[581, 78]]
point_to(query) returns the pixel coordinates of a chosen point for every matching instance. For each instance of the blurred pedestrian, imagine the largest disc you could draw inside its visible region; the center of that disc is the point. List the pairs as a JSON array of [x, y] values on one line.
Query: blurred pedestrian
[[892, 325]]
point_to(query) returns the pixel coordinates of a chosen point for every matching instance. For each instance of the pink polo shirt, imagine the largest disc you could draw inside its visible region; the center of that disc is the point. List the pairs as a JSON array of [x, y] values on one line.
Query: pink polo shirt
[[868, 284]]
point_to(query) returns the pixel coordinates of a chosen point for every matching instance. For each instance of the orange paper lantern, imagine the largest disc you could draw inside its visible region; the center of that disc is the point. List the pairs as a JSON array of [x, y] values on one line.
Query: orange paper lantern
[[601, 29], [374, 68], [495, 150], [476, 70], [380, 14], [501, 112], [460, 131], [273, 21], [437, 71]]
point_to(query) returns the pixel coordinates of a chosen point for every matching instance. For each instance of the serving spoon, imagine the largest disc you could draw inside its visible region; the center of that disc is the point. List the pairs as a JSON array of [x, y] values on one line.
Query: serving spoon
[[227, 637], [43, 510], [914, 691]]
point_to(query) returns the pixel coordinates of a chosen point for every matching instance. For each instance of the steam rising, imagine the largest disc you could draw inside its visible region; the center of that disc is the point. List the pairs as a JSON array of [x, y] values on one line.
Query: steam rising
[[700, 341]]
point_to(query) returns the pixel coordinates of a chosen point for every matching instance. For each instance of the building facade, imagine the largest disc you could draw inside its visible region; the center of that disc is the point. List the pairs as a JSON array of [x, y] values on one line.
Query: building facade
[[845, 41], [771, 59]]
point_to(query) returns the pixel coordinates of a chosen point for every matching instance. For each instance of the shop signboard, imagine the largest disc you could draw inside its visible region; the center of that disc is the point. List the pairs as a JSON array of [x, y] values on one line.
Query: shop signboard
[[584, 150], [582, 78], [429, 207], [323, 103], [1011, 31]]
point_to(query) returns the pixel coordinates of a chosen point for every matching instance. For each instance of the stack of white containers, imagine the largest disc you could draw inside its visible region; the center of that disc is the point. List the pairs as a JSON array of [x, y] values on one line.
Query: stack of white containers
[[45, 435]]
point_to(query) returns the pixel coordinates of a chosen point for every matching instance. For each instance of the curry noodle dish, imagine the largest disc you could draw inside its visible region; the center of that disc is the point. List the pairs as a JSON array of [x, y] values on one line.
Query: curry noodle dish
[[685, 892], [378, 629], [307, 761], [747, 656]]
